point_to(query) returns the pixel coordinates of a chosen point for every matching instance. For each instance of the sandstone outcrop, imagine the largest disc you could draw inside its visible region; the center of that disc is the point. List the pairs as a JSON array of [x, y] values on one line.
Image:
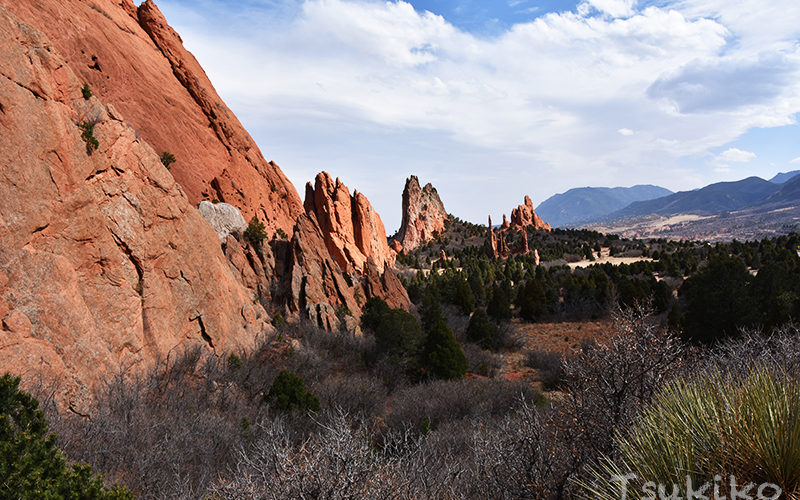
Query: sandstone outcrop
[[132, 59], [523, 219], [106, 265], [353, 232], [498, 242], [300, 279], [424, 216], [224, 218], [524, 216]]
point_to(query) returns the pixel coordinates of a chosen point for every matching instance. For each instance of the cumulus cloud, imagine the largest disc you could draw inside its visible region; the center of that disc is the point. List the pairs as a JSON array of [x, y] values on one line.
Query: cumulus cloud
[[727, 84], [561, 94], [734, 155]]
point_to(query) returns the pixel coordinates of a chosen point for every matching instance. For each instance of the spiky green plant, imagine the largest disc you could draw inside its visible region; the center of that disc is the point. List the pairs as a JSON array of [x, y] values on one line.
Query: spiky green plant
[[710, 429]]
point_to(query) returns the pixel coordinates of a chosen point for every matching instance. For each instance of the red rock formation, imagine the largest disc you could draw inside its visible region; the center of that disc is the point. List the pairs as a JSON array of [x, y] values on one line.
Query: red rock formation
[[492, 240], [424, 216], [505, 224], [353, 232], [300, 279], [396, 246], [370, 233], [105, 263], [523, 247], [497, 243], [130, 57], [524, 216]]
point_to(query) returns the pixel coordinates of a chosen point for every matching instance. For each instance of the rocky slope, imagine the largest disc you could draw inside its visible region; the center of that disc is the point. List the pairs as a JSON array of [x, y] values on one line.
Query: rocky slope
[[105, 264], [424, 216], [131, 58]]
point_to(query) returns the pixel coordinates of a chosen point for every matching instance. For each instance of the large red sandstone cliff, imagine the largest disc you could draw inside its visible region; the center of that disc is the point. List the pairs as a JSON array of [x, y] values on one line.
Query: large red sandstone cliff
[[105, 265], [132, 59]]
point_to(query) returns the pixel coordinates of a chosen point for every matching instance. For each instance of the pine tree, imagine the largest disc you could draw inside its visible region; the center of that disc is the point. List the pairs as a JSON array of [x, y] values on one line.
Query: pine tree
[[532, 301], [31, 464], [289, 393], [443, 355], [499, 307], [464, 298], [430, 311], [482, 331]]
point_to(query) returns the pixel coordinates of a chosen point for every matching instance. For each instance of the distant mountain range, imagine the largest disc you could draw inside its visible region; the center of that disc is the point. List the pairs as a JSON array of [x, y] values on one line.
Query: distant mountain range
[[590, 203], [747, 209], [714, 198], [784, 176]]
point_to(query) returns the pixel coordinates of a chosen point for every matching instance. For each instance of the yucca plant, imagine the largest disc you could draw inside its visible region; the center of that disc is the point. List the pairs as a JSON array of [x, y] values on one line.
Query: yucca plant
[[709, 430]]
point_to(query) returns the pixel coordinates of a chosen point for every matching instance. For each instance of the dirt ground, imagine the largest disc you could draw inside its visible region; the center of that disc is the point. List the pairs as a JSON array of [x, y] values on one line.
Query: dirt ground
[[563, 337], [604, 257]]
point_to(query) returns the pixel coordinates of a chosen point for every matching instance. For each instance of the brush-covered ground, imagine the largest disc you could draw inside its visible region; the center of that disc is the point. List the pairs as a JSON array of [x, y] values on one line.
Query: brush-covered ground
[[506, 380]]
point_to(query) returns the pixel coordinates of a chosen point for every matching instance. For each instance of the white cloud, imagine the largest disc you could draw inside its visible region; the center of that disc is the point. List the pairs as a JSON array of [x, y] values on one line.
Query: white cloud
[[564, 92], [732, 155], [796, 160]]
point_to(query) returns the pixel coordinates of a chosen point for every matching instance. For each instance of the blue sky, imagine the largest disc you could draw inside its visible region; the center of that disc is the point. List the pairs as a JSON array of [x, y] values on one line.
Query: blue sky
[[491, 101]]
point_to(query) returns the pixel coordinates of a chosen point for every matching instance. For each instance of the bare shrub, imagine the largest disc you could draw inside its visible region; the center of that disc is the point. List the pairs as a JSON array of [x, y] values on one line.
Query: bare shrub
[[509, 337], [608, 383], [540, 454], [427, 406], [358, 395], [338, 462], [549, 367], [480, 361], [753, 348], [519, 457], [163, 434]]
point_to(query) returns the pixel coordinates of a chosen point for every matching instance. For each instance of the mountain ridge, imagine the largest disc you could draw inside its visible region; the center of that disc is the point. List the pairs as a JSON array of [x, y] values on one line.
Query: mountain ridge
[[588, 203]]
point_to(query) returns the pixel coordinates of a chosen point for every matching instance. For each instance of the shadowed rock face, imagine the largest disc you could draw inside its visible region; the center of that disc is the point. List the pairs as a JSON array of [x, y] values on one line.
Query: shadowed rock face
[[104, 262], [300, 279], [337, 258], [424, 216], [132, 59]]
